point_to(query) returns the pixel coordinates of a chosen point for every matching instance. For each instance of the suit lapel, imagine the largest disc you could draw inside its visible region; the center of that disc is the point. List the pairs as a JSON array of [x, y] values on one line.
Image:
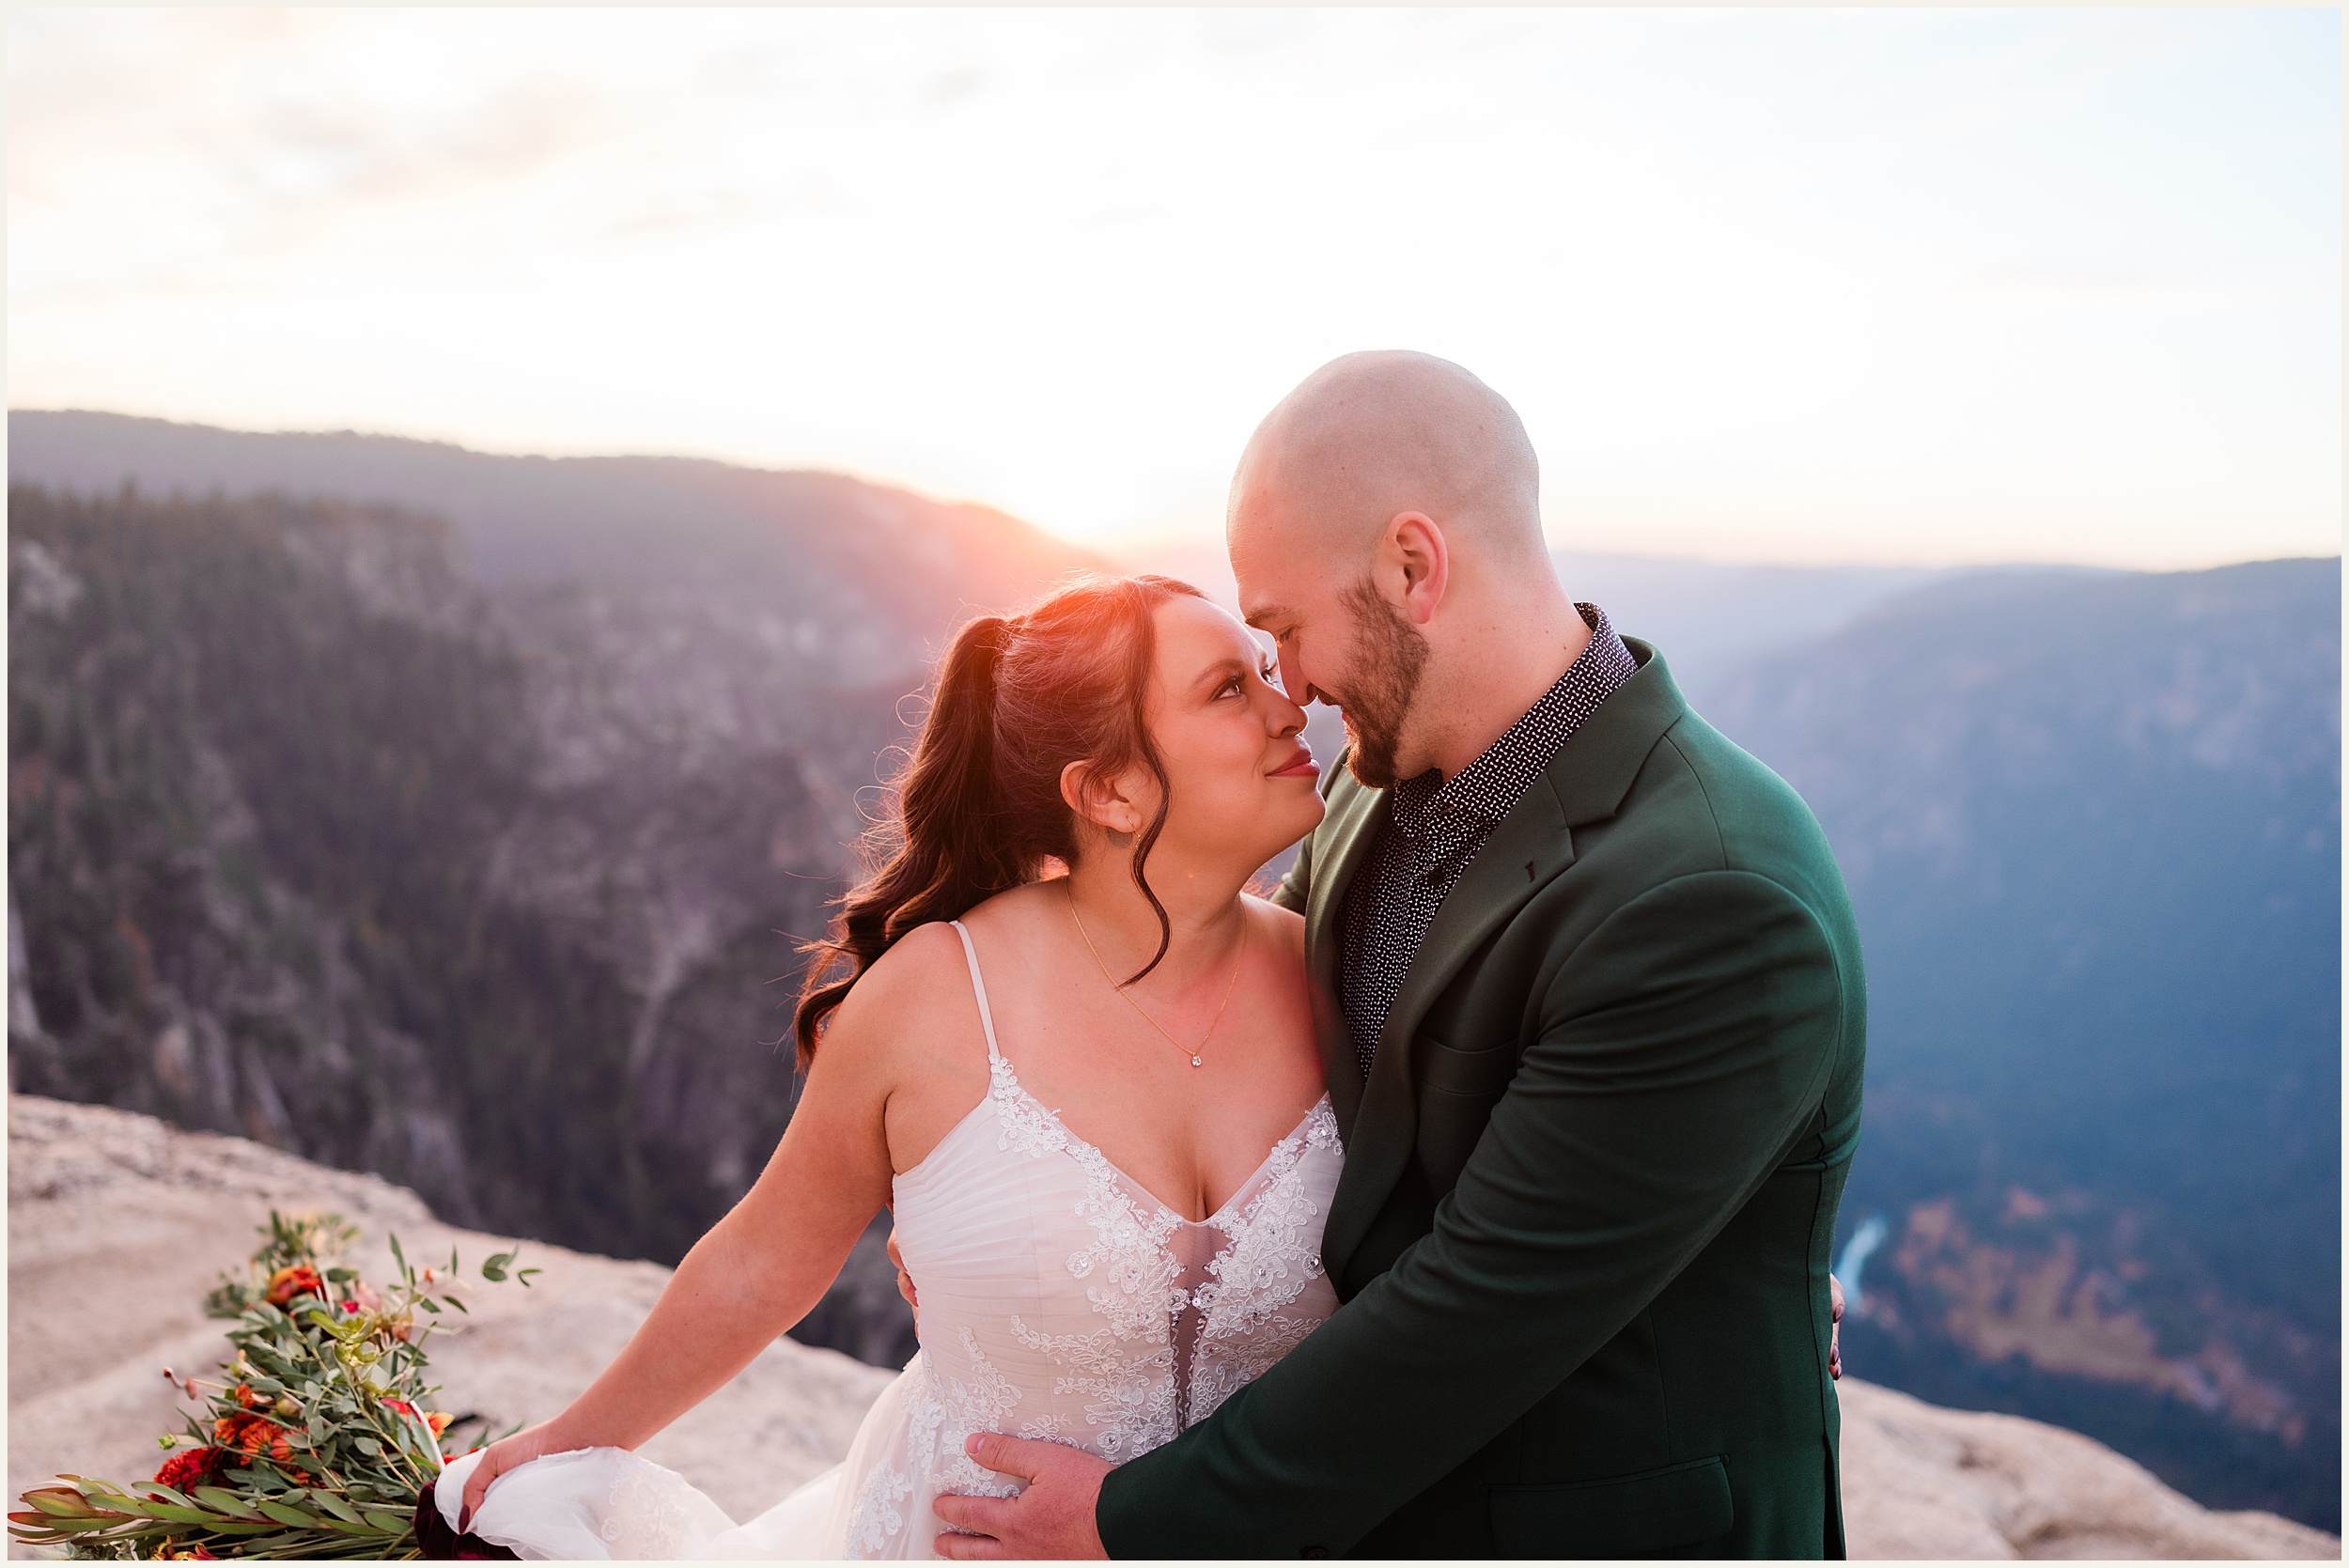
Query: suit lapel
[[1533, 845], [1530, 847], [1347, 835]]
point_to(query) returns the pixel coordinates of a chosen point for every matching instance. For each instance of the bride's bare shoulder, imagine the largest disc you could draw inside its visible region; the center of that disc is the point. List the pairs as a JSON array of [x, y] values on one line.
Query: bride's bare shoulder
[[918, 991]]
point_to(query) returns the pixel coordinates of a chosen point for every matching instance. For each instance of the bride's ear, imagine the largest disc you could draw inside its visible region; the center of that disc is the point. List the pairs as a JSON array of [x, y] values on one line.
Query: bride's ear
[[1104, 799]]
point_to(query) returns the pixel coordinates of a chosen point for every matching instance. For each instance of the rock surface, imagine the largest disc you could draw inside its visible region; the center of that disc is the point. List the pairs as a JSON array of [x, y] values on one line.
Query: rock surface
[[119, 1223]]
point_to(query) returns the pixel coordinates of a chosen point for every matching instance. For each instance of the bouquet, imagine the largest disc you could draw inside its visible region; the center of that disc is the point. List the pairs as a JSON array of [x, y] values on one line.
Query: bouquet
[[319, 1442]]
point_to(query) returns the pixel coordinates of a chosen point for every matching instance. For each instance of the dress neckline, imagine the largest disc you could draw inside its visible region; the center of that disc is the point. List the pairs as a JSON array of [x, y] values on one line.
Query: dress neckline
[[1003, 1078]]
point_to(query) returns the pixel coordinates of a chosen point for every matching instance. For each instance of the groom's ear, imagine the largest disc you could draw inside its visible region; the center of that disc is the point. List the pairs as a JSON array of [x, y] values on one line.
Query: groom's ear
[[1421, 560], [1101, 799]]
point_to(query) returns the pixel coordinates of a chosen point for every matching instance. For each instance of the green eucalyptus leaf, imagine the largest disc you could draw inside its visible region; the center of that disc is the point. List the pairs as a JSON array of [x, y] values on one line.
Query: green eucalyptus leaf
[[223, 1501]]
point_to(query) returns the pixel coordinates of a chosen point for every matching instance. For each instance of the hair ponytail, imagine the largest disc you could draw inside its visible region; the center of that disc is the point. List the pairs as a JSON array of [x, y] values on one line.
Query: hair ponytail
[[978, 807], [946, 859]]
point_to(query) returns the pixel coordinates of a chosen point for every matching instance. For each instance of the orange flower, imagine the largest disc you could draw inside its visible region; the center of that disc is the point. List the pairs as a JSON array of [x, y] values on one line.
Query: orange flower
[[259, 1437], [292, 1281]]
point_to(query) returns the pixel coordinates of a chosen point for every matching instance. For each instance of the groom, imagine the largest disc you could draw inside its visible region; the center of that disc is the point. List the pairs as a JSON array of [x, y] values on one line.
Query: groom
[[1593, 1025]]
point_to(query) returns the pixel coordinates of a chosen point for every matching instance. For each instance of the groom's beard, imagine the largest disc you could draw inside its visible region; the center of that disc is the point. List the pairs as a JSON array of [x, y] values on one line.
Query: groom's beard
[[1389, 655]]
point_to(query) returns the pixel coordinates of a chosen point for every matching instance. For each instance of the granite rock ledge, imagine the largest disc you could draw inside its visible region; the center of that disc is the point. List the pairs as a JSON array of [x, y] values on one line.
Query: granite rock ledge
[[118, 1223]]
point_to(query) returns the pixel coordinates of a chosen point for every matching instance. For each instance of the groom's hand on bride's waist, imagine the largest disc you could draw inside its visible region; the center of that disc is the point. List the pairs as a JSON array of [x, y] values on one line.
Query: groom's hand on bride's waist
[[1054, 1517]]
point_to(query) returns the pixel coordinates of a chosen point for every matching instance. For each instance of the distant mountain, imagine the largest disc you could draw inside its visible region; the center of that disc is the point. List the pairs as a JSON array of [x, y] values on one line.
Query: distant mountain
[[843, 578], [2092, 827]]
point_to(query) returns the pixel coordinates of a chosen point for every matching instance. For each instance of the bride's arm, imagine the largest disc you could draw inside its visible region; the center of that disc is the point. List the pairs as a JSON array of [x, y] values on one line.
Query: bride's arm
[[765, 1265]]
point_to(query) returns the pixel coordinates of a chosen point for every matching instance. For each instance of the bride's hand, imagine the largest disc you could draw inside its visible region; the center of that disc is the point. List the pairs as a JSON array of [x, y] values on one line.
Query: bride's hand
[[506, 1453]]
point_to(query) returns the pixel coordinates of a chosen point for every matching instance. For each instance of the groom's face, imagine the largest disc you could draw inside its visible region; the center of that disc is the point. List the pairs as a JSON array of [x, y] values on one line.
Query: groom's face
[[1338, 642]]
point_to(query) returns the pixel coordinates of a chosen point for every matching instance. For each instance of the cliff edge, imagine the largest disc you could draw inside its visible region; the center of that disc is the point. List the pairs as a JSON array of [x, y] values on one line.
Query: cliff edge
[[118, 1224]]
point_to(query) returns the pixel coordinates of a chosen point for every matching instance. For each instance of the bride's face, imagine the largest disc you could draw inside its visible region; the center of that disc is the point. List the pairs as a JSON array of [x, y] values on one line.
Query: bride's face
[[1242, 781]]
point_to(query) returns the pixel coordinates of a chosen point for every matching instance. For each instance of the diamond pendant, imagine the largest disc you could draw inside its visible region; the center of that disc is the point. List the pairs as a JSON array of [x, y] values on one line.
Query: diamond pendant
[[1196, 1063]]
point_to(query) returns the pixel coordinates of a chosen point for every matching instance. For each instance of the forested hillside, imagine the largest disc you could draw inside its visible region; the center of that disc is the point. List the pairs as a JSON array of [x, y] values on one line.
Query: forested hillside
[[2092, 827], [489, 886]]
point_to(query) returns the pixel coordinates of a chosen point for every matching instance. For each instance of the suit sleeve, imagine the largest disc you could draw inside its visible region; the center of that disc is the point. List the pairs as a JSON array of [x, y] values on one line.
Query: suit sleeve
[[1299, 883], [1681, 1048]]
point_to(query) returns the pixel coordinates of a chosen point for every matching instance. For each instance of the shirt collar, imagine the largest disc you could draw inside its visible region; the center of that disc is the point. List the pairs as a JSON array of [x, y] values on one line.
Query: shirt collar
[[1476, 798]]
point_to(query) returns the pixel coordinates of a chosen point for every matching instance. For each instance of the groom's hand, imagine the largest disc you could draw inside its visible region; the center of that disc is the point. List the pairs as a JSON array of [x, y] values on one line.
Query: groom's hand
[[905, 1281], [1054, 1517]]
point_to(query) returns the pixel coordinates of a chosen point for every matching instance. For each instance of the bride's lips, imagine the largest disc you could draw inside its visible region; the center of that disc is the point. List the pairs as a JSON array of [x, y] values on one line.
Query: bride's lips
[[1301, 766]]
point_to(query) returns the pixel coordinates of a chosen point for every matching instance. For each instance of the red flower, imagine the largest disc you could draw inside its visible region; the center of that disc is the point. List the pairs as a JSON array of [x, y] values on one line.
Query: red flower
[[191, 1468], [292, 1281]]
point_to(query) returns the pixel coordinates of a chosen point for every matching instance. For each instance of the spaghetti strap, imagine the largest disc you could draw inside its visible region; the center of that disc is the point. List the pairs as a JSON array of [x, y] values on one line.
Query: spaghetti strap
[[978, 987]]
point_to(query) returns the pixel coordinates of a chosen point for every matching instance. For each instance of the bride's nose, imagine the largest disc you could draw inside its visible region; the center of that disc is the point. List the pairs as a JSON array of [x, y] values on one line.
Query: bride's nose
[[1287, 718]]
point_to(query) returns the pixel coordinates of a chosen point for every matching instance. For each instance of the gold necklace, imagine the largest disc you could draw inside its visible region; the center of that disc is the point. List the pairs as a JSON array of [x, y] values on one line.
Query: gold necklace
[[1229, 988]]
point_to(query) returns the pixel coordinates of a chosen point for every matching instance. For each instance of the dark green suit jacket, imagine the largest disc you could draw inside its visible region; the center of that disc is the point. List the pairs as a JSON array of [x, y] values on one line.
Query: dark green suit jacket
[[1590, 1189]]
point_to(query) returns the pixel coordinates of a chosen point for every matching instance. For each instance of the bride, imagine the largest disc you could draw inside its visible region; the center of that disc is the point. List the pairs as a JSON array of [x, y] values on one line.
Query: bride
[[1093, 1101]]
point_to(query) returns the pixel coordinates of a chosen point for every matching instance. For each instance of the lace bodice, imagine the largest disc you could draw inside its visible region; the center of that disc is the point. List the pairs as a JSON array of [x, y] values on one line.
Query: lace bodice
[[1060, 1299]]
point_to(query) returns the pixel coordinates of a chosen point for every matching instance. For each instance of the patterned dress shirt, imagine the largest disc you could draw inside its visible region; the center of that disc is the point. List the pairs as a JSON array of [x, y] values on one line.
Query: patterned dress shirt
[[1436, 826]]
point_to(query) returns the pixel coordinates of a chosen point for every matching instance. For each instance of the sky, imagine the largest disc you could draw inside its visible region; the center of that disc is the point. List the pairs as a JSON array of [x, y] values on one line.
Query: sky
[[1885, 286]]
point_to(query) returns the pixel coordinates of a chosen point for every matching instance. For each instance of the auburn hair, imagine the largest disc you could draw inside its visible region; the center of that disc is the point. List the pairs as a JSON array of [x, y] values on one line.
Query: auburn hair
[[977, 808]]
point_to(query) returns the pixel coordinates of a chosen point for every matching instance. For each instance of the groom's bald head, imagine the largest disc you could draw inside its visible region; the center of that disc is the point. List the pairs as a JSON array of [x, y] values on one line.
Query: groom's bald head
[[1371, 436]]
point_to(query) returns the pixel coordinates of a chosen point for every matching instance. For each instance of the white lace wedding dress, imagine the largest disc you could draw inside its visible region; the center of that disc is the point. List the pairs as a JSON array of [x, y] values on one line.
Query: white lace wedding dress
[[1059, 1300]]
